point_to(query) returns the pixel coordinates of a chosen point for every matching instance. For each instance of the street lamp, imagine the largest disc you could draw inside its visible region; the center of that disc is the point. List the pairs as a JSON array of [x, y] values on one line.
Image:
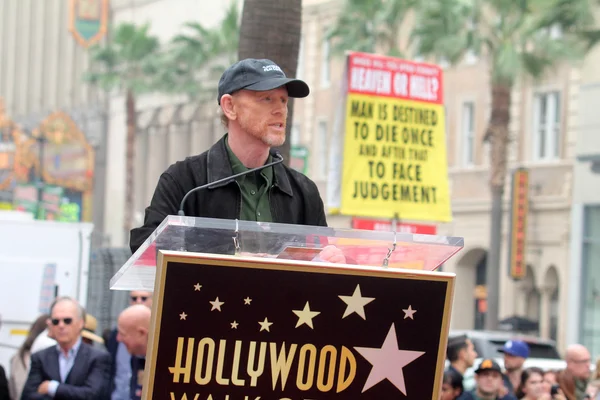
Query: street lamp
[[41, 142]]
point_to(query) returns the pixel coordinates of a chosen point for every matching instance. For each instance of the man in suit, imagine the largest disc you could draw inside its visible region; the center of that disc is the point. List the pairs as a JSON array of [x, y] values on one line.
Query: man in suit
[[72, 369]]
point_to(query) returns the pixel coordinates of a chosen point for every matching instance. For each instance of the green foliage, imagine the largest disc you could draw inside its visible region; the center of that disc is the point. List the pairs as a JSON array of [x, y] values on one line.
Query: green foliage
[[201, 55], [128, 60], [515, 36], [370, 26], [132, 59]]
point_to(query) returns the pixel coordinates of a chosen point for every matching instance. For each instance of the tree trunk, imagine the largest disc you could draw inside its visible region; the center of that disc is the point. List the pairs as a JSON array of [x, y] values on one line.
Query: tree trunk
[[130, 162], [499, 139], [271, 29]]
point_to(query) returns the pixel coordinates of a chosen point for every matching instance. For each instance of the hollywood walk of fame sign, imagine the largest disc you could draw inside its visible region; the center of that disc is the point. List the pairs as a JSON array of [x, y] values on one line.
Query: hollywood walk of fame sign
[[227, 327]]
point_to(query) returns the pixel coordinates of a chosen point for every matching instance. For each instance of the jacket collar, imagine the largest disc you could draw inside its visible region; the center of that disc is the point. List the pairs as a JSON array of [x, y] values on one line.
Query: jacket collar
[[219, 167]]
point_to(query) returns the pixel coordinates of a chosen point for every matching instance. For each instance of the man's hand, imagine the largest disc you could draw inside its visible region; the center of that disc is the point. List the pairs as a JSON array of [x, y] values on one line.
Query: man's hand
[[43, 388], [332, 254], [503, 391]]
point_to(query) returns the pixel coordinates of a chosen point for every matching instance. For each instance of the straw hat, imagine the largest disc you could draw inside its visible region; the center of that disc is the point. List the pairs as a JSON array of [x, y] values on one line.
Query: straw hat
[[91, 323]]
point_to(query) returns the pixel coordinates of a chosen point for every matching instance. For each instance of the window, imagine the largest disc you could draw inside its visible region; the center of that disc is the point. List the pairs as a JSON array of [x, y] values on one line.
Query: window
[[325, 62], [590, 293], [468, 133], [300, 67], [322, 149], [546, 125], [295, 135]]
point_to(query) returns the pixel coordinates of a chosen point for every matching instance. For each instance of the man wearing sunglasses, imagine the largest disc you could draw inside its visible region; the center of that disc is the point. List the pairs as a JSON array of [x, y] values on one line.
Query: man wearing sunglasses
[[120, 371], [72, 369]]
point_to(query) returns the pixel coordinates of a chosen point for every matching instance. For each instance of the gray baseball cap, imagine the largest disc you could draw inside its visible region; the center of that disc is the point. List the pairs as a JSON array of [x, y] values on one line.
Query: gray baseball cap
[[259, 75]]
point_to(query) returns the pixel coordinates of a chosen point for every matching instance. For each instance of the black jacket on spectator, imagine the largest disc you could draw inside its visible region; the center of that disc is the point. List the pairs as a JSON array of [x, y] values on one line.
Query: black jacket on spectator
[[88, 379], [3, 385]]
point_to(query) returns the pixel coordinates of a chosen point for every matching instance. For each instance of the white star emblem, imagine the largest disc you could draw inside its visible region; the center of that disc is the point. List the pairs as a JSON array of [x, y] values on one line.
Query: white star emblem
[[306, 316], [183, 316], [216, 305], [234, 325], [409, 312], [356, 303], [265, 325], [197, 287], [388, 362], [247, 301]]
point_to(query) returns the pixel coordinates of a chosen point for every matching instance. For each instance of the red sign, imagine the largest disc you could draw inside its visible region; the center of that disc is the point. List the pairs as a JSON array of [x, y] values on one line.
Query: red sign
[[518, 234], [385, 225], [401, 79]]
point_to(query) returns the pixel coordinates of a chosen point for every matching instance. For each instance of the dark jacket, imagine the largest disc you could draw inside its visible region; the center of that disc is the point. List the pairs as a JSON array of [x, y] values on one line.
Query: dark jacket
[[294, 198], [471, 396], [88, 378], [138, 365], [3, 385], [112, 345]]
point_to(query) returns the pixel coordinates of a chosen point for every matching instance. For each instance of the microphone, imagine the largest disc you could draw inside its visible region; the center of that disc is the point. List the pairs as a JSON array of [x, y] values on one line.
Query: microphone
[[228, 179]]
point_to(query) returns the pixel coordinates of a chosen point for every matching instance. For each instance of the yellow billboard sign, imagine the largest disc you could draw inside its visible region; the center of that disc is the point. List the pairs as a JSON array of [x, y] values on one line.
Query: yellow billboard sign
[[395, 140]]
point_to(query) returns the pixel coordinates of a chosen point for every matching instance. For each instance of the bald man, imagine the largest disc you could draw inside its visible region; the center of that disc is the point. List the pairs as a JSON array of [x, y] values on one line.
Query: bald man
[[120, 370], [134, 326], [578, 360]]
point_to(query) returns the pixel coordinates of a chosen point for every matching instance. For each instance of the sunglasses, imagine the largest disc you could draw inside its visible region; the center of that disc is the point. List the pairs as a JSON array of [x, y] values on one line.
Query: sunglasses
[[142, 298], [56, 321]]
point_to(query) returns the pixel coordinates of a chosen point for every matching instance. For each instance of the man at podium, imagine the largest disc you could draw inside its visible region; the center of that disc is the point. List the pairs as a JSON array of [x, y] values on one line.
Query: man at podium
[[253, 96]]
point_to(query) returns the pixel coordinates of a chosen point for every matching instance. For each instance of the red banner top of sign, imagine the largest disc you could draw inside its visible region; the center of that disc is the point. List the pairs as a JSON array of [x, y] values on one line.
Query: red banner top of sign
[[386, 225], [378, 75]]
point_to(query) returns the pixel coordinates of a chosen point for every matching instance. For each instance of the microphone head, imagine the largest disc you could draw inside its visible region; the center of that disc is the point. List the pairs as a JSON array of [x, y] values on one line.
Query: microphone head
[[277, 154], [181, 213]]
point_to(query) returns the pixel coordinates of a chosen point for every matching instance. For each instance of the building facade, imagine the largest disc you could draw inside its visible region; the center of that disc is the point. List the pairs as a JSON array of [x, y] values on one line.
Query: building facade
[[583, 317], [544, 139]]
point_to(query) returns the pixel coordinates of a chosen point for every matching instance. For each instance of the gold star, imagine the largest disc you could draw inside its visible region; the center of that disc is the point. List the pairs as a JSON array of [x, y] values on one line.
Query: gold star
[[216, 305], [356, 303], [234, 325], [247, 301], [197, 287], [183, 316], [306, 316], [264, 326]]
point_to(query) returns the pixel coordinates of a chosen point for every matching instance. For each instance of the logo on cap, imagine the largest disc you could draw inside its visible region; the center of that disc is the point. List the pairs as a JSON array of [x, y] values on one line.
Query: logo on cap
[[486, 364], [267, 68]]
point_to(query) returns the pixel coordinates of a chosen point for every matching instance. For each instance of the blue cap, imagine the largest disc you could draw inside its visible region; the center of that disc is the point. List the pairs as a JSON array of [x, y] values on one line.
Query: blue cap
[[515, 348], [258, 75]]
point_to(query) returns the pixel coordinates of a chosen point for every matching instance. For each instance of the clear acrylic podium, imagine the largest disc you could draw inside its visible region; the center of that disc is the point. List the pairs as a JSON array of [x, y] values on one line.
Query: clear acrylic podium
[[283, 241]]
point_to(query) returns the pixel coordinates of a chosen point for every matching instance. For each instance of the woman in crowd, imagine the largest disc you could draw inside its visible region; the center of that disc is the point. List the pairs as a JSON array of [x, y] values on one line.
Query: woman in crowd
[[451, 386], [531, 386], [19, 363]]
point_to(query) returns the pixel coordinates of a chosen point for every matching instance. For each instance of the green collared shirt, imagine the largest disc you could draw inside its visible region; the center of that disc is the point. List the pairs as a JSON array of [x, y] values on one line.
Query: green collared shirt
[[255, 189]]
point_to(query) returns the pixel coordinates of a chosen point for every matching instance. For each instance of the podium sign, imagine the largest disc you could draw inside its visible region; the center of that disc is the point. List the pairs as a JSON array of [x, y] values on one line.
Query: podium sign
[[234, 328]]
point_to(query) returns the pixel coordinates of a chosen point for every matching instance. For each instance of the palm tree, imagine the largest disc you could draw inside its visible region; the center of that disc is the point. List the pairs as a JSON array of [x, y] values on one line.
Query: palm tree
[[201, 55], [513, 38], [127, 63], [272, 29], [370, 26]]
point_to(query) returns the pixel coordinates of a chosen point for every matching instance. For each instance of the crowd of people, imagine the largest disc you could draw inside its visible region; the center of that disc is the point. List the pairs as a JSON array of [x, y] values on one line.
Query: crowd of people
[[575, 382], [63, 357]]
